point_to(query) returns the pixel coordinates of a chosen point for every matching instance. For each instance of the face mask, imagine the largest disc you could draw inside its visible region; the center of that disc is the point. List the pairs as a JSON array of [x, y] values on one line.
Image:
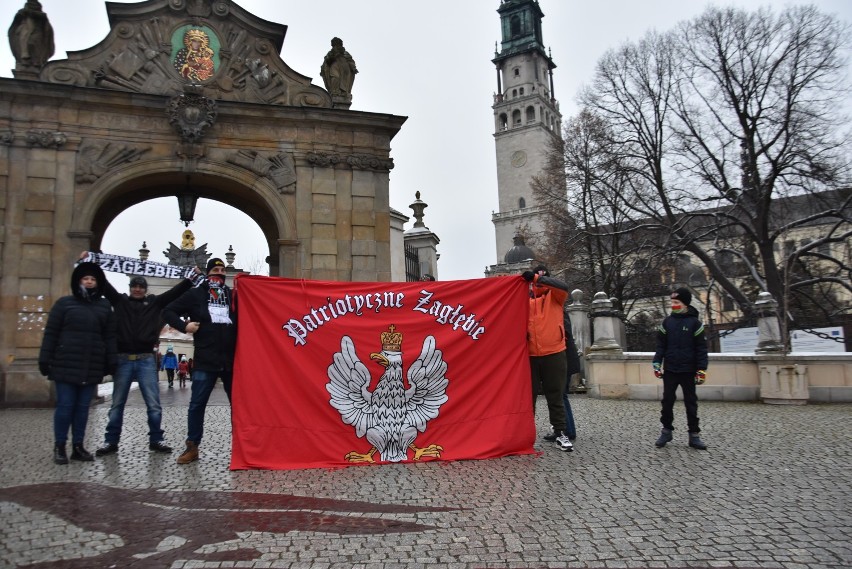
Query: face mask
[[216, 280]]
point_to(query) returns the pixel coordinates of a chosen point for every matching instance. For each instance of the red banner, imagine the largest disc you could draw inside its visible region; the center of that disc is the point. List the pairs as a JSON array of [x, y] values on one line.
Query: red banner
[[331, 374]]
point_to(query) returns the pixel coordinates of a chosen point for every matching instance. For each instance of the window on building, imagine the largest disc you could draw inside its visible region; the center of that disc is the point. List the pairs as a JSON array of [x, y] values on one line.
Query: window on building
[[517, 71], [522, 91], [522, 203], [515, 26], [504, 121], [516, 117], [530, 114], [514, 93]]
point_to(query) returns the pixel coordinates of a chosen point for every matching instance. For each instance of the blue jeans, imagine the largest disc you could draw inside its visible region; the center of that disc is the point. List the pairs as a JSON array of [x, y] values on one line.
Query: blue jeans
[[203, 383], [570, 428], [72, 410], [144, 372]]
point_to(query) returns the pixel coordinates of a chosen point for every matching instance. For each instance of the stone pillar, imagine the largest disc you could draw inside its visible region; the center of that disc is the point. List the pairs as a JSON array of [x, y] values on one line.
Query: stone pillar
[[580, 323], [605, 324], [620, 330], [580, 326], [769, 329], [781, 382], [422, 240]]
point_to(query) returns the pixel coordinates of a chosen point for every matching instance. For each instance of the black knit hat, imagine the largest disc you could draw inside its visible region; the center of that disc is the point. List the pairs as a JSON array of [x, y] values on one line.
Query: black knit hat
[[139, 281], [682, 295], [88, 270], [214, 262]]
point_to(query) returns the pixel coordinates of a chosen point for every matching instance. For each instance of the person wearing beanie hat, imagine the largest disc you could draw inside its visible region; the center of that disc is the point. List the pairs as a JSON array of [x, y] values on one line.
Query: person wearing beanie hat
[[683, 295], [169, 364], [78, 349], [214, 262], [681, 361], [213, 325], [139, 321]]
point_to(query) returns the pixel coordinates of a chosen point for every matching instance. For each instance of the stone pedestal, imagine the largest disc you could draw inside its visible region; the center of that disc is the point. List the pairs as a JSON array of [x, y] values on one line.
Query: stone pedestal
[[605, 324], [784, 384], [768, 325]]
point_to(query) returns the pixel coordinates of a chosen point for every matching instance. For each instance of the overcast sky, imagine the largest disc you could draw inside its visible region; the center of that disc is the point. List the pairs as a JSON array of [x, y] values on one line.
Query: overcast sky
[[428, 61]]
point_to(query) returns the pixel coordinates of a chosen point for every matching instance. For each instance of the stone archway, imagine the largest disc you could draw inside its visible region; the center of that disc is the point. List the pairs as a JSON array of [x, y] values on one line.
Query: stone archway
[[123, 189], [84, 138]]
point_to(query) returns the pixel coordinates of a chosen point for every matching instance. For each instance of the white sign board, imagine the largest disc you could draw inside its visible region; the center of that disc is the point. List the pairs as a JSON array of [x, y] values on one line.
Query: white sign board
[[744, 340], [806, 342], [740, 341]]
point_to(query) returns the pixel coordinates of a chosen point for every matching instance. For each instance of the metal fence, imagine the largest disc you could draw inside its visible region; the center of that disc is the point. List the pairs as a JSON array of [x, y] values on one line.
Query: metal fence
[[412, 264]]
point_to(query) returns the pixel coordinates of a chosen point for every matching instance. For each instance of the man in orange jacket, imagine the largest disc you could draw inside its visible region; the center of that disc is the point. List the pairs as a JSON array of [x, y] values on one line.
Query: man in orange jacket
[[546, 342]]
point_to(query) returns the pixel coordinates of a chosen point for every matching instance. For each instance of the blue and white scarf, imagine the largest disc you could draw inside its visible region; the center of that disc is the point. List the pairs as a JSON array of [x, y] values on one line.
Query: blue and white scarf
[[131, 266]]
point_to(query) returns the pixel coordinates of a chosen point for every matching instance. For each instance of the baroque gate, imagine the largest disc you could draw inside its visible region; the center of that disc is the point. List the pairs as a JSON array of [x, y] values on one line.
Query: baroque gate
[[180, 94]]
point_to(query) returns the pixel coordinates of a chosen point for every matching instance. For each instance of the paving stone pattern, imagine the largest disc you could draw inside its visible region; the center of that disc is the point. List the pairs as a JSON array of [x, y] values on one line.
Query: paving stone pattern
[[773, 491]]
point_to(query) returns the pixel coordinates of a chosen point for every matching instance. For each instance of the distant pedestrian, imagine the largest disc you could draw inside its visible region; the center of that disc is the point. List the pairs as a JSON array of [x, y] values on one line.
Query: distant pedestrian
[[183, 371], [427, 277], [78, 350], [170, 364], [681, 360], [213, 325]]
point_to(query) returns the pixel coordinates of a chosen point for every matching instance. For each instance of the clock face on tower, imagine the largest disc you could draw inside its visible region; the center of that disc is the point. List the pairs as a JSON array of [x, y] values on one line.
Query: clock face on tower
[[519, 158]]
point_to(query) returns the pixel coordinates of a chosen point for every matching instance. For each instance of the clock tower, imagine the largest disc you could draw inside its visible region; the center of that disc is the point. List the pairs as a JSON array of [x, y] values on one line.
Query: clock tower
[[526, 118]]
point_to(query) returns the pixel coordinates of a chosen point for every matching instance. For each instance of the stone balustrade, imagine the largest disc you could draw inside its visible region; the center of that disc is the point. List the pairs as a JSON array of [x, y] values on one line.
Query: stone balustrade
[[769, 374]]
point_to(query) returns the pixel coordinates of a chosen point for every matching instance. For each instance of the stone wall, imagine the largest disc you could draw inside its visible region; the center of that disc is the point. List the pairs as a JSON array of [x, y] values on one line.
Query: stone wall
[[791, 379]]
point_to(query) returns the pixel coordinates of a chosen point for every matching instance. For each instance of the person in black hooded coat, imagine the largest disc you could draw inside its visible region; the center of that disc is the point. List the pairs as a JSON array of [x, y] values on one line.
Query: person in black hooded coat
[[77, 351], [681, 361]]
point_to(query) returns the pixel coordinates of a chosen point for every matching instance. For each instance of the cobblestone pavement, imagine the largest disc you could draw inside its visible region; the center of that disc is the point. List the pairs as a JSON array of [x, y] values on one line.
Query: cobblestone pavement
[[773, 491]]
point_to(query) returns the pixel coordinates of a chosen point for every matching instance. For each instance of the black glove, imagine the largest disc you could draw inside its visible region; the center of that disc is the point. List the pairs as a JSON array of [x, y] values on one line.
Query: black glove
[[44, 369], [528, 275]]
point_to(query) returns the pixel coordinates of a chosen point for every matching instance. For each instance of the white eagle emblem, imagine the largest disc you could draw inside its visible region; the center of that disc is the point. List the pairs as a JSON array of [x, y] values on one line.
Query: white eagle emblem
[[391, 415]]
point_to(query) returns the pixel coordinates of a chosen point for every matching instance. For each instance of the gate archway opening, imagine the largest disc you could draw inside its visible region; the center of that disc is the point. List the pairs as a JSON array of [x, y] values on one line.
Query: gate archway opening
[[135, 208], [156, 223]]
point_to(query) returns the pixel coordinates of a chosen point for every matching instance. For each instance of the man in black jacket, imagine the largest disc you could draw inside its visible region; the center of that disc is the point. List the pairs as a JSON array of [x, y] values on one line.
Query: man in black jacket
[[213, 324], [139, 323], [682, 350]]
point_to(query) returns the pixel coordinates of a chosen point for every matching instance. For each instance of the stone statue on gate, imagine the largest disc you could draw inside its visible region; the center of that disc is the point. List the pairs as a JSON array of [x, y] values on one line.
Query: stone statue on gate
[[31, 40], [338, 72]]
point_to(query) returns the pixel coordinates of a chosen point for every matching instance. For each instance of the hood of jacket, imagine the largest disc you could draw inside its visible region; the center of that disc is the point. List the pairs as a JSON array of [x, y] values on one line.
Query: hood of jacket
[[84, 269]]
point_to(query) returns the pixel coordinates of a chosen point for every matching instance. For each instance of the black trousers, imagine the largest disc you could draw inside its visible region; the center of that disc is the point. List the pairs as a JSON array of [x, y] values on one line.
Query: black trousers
[[686, 381], [548, 377]]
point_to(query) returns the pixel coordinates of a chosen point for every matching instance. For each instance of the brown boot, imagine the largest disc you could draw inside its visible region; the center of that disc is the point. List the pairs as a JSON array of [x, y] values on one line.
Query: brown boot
[[190, 454]]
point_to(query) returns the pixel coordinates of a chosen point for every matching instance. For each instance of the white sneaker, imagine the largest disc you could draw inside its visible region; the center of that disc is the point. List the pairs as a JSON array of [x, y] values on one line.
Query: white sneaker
[[564, 443]]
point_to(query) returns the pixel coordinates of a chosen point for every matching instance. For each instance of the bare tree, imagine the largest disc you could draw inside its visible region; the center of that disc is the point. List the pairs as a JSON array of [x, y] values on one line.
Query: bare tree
[[709, 134], [584, 188]]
